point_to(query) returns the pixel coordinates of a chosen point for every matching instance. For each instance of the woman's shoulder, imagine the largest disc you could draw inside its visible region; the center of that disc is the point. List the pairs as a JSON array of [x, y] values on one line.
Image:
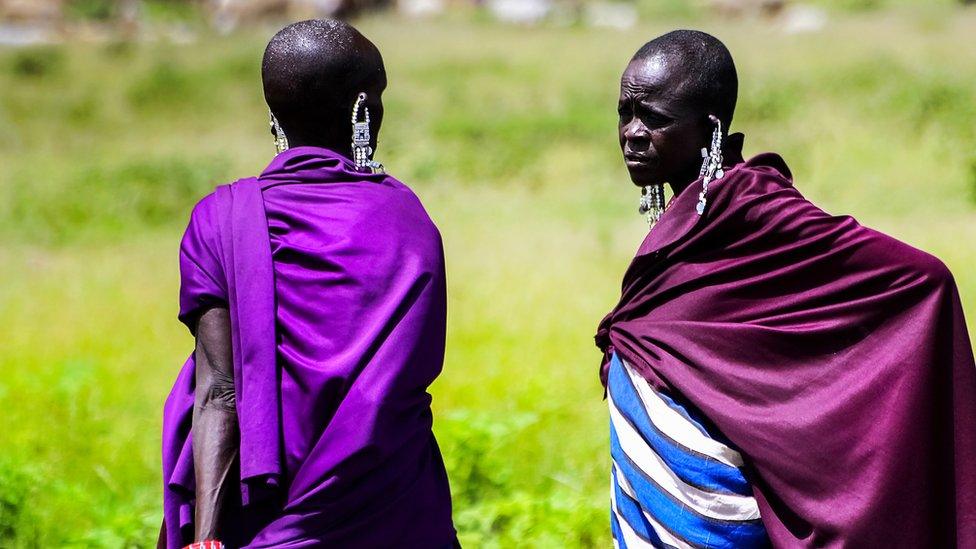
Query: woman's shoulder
[[202, 226], [911, 264], [204, 214], [204, 209], [754, 188], [761, 174], [765, 195], [405, 202]]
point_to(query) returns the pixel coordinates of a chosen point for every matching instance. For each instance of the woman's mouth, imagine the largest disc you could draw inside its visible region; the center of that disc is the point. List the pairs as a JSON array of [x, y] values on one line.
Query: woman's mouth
[[637, 160]]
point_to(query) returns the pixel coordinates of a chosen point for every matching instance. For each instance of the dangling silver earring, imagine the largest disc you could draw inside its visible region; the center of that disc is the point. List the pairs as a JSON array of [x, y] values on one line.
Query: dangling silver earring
[[281, 141], [652, 203], [711, 165], [362, 152]]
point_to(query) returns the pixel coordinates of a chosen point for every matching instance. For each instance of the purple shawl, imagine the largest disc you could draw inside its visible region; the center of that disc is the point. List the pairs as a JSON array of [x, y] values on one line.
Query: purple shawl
[[336, 289], [834, 357]]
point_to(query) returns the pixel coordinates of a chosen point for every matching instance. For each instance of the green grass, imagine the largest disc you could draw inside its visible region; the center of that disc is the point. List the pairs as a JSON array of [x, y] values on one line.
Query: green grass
[[508, 135]]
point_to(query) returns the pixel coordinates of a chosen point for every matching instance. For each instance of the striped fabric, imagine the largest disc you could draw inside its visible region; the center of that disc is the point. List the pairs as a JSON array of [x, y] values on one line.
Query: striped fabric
[[673, 484]]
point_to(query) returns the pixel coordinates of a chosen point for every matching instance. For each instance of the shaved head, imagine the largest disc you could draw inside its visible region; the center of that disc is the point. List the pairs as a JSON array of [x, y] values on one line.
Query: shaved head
[[704, 72], [312, 72]]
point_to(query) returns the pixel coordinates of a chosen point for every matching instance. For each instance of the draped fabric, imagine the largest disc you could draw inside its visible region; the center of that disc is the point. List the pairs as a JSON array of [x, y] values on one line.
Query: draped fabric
[[833, 357], [335, 284]]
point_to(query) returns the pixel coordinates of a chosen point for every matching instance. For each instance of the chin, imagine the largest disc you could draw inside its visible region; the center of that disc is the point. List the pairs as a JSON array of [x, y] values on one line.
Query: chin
[[644, 178]]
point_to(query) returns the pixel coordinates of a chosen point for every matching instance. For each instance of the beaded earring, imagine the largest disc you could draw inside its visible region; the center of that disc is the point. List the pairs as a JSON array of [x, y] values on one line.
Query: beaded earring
[[362, 152], [280, 139], [652, 203], [711, 168]]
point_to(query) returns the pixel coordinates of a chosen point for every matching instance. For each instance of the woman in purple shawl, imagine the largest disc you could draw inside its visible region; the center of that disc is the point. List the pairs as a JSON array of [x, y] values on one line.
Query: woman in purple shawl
[[776, 375], [316, 293]]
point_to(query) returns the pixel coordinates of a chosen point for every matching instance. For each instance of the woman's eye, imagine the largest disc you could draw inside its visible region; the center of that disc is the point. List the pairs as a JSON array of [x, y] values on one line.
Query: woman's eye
[[656, 120]]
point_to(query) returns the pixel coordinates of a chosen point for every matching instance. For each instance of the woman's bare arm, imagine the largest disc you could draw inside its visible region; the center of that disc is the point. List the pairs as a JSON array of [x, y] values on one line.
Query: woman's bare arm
[[215, 427]]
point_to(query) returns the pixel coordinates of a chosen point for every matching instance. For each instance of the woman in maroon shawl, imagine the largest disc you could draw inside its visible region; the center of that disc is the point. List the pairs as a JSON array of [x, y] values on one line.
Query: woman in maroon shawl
[[316, 293], [826, 362]]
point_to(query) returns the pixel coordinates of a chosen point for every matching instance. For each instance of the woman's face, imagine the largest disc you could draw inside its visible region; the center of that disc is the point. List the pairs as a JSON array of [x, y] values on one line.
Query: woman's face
[[661, 134]]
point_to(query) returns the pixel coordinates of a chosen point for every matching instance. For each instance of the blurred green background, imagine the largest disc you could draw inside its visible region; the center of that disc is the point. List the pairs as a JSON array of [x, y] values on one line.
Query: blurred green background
[[508, 135]]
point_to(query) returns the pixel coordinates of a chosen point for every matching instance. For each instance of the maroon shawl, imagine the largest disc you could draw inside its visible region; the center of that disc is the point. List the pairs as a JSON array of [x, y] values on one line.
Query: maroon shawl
[[836, 359]]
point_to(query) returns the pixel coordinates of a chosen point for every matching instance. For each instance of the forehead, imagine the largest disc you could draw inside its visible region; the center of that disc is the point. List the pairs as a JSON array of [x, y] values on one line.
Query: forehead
[[657, 76]]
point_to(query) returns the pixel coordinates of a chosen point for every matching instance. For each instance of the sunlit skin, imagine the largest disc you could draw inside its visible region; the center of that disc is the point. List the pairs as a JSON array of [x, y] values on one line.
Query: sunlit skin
[[661, 132]]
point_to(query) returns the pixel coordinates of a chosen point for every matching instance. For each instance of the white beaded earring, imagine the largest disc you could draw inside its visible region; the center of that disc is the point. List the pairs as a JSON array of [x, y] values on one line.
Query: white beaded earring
[[362, 152], [652, 203], [281, 140], [711, 165]]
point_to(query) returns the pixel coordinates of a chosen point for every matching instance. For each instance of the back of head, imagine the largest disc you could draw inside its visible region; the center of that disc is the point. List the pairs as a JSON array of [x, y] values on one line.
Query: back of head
[[709, 79], [312, 73]]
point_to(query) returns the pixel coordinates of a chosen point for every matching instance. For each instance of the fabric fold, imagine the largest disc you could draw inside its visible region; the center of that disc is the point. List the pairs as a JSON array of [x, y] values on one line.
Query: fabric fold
[[250, 282]]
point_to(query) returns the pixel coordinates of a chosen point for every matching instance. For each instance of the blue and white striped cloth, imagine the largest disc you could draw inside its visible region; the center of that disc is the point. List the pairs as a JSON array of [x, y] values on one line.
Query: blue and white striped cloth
[[673, 484]]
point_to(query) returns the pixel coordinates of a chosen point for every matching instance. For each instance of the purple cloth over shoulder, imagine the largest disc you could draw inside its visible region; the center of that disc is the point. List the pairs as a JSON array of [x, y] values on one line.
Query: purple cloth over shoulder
[[834, 357], [335, 284]]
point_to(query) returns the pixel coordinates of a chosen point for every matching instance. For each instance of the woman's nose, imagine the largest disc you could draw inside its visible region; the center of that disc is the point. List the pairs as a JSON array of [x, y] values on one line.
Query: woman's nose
[[635, 130]]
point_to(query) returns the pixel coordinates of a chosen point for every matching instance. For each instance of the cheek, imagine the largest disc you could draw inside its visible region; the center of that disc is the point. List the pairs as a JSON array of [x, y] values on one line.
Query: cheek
[[673, 146], [661, 144]]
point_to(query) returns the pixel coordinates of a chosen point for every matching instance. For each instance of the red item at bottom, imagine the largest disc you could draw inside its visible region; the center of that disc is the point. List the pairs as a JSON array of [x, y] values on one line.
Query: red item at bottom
[[206, 544]]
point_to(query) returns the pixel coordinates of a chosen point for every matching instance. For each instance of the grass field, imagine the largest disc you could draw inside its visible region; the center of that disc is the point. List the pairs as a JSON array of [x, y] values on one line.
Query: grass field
[[508, 135]]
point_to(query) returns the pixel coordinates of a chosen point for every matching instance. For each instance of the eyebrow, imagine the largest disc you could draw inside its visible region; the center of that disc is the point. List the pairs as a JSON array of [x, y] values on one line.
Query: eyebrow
[[654, 109], [630, 95]]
